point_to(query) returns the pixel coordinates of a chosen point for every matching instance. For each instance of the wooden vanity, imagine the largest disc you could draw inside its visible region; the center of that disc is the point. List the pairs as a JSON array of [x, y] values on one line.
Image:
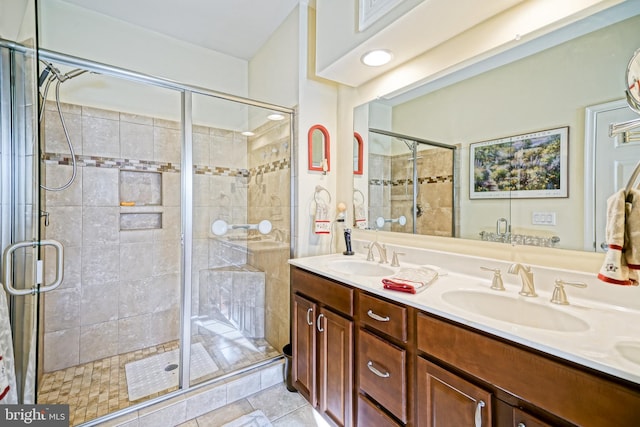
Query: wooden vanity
[[365, 360]]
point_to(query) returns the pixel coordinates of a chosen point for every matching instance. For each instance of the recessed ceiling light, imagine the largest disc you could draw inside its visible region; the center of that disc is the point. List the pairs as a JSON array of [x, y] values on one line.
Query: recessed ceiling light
[[275, 116], [376, 58], [248, 133]]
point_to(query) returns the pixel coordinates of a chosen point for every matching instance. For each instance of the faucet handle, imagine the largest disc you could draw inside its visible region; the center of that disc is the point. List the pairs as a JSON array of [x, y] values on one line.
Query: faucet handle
[[394, 259], [496, 282], [559, 296], [370, 251]]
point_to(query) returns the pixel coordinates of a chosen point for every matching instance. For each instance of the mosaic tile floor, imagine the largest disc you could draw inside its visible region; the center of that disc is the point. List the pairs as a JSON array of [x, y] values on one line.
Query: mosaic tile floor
[[98, 388]]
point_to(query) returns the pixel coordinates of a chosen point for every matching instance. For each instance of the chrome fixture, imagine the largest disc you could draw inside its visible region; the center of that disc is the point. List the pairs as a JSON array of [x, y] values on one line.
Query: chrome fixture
[[381, 250], [559, 295], [496, 282], [526, 275], [394, 259]]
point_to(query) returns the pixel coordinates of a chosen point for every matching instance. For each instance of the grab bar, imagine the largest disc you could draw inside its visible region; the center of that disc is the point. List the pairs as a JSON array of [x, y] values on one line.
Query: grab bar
[[7, 267]]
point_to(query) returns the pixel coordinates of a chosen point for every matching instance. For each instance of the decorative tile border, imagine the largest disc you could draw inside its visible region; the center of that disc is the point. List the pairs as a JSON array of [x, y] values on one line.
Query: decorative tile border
[[153, 166], [421, 180]]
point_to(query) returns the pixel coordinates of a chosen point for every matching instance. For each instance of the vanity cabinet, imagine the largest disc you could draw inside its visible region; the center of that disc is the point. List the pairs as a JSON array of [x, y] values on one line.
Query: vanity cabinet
[[446, 399], [322, 344], [528, 387], [368, 360]]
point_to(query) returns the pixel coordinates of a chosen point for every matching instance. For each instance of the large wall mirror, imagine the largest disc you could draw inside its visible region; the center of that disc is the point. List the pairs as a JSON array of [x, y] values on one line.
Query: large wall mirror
[[548, 83]]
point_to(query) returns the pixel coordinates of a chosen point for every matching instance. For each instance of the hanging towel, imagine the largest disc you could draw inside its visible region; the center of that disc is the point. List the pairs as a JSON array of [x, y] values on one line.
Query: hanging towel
[[8, 390], [322, 223], [360, 216], [614, 269], [632, 240]]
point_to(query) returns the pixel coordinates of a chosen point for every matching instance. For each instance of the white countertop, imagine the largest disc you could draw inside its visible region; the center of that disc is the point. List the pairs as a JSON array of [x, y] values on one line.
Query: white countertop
[[608, 324]]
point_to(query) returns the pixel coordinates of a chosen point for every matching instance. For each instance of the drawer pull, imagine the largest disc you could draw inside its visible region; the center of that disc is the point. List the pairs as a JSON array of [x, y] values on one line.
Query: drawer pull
[[478, 416], [376, 371], [522, 425], [309, 311], [377, 317], [319, 325]]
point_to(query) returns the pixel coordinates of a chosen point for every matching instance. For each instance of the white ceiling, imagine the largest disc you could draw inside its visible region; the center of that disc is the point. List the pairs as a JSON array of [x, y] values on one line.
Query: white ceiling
[[234, 27]]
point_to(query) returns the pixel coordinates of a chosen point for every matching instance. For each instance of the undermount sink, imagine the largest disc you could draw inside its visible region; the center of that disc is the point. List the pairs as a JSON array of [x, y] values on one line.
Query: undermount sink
[[360, 268], [630, 350], [516, 310]]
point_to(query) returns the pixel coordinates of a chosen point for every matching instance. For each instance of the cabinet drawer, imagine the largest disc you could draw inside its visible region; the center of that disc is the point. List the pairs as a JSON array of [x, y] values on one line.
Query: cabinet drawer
[[338, 297], [382, 373], [521, 418], [383, 316], [371, 415]]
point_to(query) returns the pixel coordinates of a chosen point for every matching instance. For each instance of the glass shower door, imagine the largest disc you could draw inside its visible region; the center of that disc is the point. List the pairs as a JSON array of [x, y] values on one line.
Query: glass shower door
[[20, 219]]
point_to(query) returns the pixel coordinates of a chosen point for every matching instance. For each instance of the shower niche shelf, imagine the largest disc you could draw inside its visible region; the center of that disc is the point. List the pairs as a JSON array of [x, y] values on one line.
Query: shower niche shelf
[[140, 188], [140, 193]]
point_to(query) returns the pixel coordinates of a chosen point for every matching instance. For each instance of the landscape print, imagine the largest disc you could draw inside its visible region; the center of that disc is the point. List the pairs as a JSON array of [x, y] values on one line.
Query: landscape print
[[522, 166]]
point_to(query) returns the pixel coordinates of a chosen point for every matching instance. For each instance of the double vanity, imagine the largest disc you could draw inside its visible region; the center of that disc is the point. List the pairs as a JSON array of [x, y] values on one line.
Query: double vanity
[[482, 345]]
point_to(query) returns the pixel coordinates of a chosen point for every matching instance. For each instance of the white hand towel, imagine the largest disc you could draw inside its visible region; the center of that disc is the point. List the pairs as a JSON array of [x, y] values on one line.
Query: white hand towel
[[360, 216], [614, 269], [632, 240], [322, 223]]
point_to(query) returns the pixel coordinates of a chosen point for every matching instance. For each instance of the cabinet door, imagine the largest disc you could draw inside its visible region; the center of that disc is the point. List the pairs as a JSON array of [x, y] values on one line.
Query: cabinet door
[[444, 399], [335, 360], [304, 348]]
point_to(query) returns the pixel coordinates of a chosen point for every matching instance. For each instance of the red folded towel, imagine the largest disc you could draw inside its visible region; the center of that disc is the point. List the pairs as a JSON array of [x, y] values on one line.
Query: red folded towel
[[402, 286]]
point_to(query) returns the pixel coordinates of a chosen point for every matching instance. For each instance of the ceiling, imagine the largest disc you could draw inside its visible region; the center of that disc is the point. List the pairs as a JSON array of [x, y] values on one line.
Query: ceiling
[[237, 28]]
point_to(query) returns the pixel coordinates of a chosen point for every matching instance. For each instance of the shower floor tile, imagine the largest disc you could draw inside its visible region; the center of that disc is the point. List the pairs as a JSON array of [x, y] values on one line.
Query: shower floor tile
[[98, 388]]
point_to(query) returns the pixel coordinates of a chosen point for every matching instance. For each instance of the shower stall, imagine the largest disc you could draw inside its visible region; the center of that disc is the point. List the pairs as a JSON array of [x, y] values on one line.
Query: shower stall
[[128, 174], [412, 179]]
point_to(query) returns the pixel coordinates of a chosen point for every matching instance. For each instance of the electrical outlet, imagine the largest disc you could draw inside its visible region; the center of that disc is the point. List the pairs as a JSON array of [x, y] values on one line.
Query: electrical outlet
[[543, 218]]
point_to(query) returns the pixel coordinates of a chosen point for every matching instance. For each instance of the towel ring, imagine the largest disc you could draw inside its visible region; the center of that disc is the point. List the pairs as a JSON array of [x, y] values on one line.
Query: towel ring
[[356, 191], [320, 189]]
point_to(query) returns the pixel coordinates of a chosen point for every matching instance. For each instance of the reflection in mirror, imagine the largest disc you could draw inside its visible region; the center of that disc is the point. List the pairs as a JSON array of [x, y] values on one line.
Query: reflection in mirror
[[541, 84], [411, 178], [319, 159], [357, 153]]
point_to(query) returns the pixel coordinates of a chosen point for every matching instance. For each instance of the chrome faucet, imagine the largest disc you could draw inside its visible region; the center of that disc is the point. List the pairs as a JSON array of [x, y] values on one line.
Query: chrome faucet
[[526, 275], [381, 250]]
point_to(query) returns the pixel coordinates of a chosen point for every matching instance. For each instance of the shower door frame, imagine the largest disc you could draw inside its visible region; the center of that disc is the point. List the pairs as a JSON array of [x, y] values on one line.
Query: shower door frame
[[186, 93]]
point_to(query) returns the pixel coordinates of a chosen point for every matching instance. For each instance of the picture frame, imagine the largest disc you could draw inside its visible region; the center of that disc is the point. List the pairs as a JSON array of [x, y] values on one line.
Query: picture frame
[[530, 165]]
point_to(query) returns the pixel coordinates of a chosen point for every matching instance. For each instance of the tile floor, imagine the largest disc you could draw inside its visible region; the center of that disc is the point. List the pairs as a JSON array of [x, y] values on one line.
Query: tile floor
[[283, 408], [98, 388]]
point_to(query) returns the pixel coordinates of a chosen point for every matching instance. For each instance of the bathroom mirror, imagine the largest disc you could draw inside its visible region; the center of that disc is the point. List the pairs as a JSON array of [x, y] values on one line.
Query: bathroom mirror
[[357, 153], [535, 86], [318, 146]]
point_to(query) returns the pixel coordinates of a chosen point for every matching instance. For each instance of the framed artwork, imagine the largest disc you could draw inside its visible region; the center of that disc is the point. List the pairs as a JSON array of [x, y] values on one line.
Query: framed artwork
[[531, 165]]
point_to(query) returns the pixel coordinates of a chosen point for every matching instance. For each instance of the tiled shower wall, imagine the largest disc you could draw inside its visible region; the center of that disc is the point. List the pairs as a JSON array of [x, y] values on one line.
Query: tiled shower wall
[[269, 198], [121, 289], [393, 192]]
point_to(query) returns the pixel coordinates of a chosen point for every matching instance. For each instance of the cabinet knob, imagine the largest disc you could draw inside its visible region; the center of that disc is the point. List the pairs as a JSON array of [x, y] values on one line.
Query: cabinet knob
[[309, 311], [377, 317], [521, 425]]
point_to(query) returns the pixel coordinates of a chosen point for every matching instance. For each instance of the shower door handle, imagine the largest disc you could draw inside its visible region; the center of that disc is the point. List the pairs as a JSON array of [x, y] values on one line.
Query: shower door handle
[[7, 267]]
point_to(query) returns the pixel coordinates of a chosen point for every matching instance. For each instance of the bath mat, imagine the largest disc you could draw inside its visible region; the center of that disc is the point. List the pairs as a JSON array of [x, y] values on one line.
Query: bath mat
[[160, 372], [253, 419]]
